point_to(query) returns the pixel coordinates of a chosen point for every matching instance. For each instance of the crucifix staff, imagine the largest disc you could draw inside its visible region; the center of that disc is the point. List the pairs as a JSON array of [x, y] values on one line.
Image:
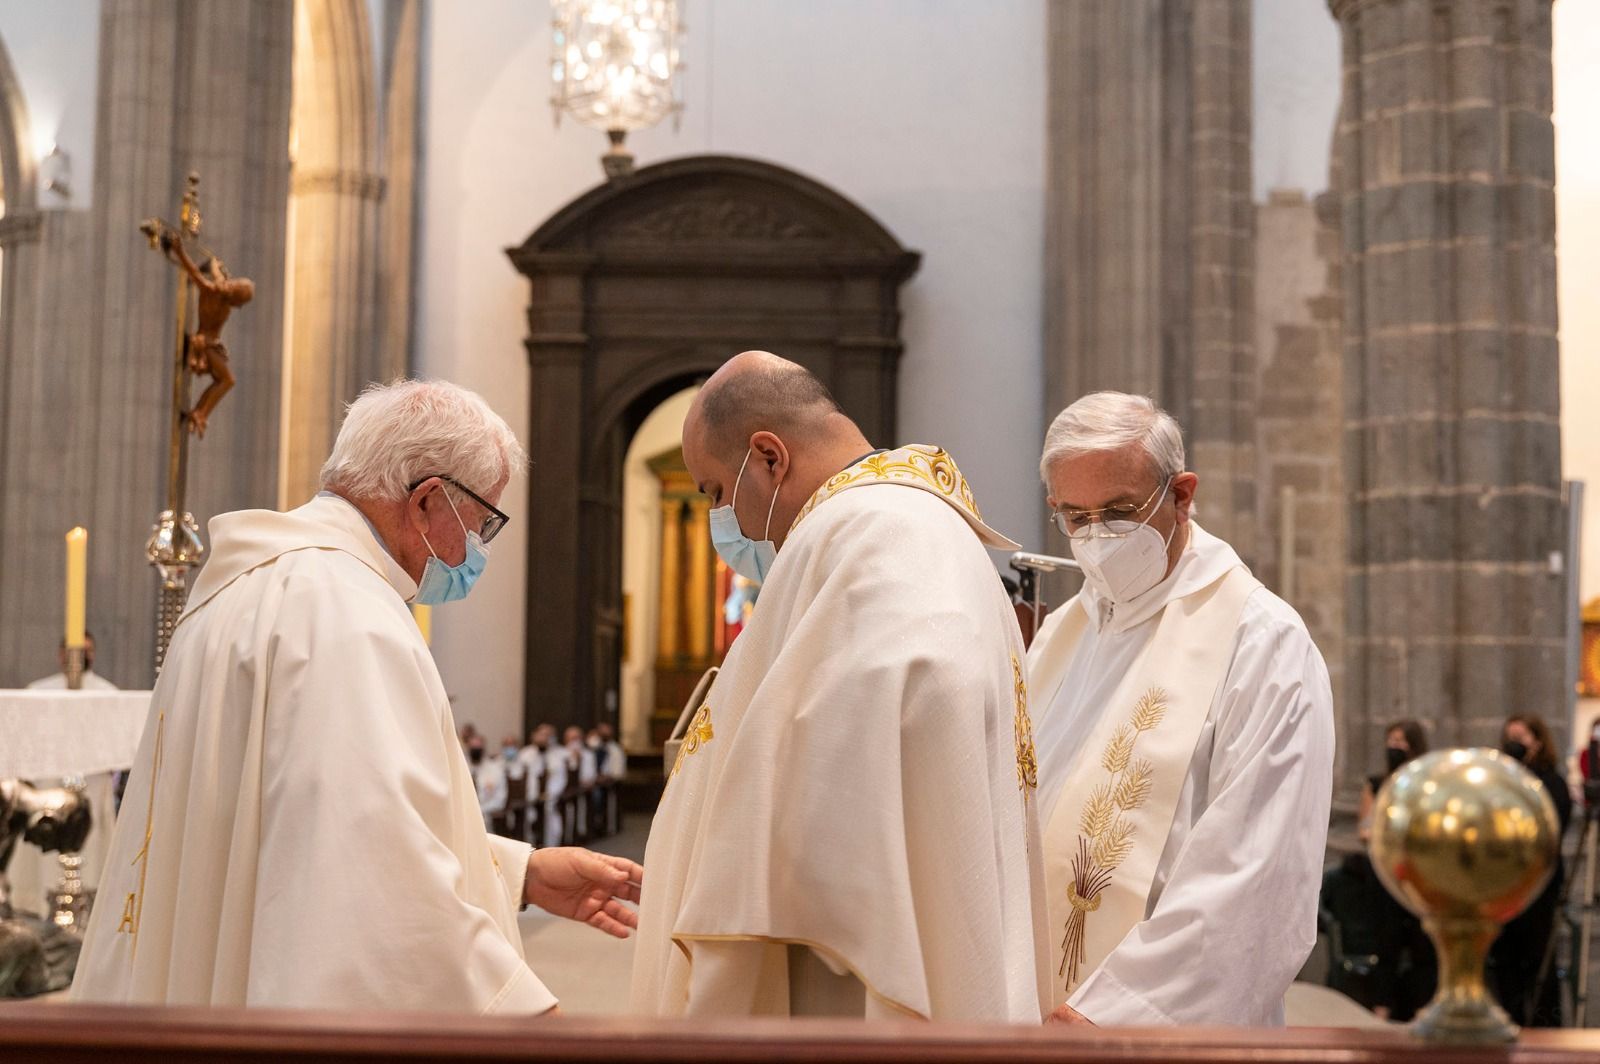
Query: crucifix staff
[[174, 546]]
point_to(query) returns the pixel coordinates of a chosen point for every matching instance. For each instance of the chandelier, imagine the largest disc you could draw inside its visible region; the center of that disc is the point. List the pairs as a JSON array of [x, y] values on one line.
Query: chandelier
[[615, 67]]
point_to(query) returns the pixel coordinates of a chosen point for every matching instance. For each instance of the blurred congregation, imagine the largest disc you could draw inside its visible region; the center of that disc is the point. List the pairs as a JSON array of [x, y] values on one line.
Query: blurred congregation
[[549, 793]]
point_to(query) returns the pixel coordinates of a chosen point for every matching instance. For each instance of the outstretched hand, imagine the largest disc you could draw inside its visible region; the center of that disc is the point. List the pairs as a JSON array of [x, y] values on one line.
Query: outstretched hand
[[585, 886], [1069, 1016]]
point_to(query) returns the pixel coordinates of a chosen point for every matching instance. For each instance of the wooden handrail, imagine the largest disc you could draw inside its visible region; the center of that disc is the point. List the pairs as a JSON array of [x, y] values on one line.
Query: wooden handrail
[[65, 1034]]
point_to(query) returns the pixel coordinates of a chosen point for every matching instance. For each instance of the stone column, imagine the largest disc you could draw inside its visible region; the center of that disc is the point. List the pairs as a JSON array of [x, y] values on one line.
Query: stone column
[[1453, 455], [1148, 240], [190, 86], [1220, 417]]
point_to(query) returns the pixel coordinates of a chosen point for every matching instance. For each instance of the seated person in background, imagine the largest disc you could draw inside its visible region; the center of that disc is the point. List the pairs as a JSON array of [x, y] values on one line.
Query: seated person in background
[[489, 778], [1407, 973], [613, 759], [1521, 962], [57, 681], [1403, 741]]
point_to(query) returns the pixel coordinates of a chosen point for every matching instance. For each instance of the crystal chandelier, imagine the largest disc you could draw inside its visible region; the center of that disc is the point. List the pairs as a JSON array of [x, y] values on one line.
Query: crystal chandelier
[[615, 67]]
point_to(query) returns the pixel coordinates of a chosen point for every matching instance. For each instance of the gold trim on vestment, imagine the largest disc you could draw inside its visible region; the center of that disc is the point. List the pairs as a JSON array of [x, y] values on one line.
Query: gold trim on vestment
[[1022, 727], [698, 735], [1105, 836], [142, 858], [827, 952], [930, 467]]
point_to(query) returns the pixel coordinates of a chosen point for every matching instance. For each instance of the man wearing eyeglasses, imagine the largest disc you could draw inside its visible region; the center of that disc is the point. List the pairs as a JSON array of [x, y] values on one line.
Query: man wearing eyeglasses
[[301, 828], [1184, 727]]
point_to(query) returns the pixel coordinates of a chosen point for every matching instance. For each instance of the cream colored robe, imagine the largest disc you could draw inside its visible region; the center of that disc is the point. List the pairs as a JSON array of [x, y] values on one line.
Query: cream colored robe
[[300, 828], [855, 799]]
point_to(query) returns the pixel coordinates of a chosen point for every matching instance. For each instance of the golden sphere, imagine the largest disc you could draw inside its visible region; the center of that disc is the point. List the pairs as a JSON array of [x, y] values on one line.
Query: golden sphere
[[1464, 834]]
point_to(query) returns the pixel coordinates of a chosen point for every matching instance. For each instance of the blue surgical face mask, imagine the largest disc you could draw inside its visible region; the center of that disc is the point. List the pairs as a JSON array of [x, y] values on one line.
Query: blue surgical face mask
[[745, 556], [450, 583]]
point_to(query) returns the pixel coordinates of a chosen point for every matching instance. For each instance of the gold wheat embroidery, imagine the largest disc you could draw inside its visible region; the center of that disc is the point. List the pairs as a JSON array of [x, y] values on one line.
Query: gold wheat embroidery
[[1105, 835], [698, 735]]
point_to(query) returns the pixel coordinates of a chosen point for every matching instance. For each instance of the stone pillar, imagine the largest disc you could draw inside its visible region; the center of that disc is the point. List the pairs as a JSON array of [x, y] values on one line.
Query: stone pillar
[[1453, 456], [1148, 240], [1220, 419], [182, 86]]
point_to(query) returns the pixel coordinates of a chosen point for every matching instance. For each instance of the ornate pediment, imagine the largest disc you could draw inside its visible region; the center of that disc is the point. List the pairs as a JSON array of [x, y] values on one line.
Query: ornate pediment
[[721, 219]]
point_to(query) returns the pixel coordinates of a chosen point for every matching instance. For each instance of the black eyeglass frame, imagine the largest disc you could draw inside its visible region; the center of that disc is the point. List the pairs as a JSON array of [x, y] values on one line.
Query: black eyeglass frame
[[492, 524]]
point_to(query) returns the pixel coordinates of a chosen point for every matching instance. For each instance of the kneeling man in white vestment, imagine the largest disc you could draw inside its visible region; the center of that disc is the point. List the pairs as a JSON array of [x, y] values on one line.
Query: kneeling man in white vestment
[[849, 827], [300, 828], [1185, 738]]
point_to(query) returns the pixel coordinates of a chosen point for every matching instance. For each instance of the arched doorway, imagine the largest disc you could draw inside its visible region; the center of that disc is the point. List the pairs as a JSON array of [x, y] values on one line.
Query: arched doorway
[[639, 289]]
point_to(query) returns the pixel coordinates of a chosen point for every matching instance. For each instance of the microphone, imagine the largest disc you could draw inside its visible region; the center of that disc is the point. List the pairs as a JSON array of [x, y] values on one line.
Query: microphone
[[1026, 561], [1042, 563]]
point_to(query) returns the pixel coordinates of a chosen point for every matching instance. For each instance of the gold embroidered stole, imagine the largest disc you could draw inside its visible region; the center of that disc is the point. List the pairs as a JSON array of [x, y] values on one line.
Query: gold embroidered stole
[[1109, 825], [915, 465]]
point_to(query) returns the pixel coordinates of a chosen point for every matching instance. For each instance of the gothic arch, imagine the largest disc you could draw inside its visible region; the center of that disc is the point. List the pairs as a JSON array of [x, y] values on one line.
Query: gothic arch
[[336, 195], [642, 287], [17, 166]]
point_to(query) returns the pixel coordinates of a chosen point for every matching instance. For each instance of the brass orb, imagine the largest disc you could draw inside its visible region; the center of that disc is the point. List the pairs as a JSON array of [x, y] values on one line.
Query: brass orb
[[1466, 839]]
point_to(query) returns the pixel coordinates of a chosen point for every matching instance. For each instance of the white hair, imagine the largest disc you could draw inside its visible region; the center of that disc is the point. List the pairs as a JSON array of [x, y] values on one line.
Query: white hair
[[1110, 421], [399, 433]]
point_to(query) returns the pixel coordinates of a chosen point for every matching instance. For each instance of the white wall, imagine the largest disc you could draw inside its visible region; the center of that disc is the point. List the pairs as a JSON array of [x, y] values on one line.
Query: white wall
[[927, 113], [54, 49], [1295, 94], [1577, 75]]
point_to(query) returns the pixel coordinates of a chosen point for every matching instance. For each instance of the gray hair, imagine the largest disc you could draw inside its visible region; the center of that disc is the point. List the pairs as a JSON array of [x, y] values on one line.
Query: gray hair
[[1110, 421], [399, 433]]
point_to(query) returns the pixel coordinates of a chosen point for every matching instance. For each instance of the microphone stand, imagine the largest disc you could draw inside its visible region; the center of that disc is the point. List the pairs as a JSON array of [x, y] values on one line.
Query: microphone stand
[[1026, 561]]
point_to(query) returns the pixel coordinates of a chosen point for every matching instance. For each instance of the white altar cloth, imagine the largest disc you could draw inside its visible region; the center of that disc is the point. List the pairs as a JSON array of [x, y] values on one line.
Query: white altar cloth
[[48, 734]]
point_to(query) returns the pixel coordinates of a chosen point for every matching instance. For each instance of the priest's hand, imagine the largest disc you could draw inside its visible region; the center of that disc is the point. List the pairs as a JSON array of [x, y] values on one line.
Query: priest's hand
[[1071, 1017], [584, 886]]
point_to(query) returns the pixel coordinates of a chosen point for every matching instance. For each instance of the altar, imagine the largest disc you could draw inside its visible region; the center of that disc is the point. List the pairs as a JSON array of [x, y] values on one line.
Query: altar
[[56, 734], [56, 1034]]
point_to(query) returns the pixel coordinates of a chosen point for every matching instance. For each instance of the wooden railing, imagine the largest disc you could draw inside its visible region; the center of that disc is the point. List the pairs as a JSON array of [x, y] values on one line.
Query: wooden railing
[[64, 1034]]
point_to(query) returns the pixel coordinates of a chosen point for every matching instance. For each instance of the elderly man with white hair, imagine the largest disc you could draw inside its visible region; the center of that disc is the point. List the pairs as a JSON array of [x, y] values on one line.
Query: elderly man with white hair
[[1184, 727], [300, 828]]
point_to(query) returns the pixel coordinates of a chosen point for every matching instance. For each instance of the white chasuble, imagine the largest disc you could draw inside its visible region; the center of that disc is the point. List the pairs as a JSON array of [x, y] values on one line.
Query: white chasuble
[[850, 825], [1109, 824], [1185, 745], [300, 828]]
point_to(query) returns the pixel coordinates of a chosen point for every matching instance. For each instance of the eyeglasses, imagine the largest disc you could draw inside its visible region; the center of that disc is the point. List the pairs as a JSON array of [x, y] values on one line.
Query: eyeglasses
[[492, 524], [1115, 521]]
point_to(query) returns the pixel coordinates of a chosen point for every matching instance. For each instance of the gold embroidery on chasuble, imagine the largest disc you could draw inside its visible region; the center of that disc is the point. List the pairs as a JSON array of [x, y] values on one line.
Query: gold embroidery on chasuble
[[1027, 761], [930, 467], [1105, 836], [133, 905], [698, 735]]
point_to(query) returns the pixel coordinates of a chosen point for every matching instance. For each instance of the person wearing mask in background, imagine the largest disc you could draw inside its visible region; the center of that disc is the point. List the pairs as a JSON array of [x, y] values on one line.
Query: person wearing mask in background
[[1407, 973], [1521, 962]]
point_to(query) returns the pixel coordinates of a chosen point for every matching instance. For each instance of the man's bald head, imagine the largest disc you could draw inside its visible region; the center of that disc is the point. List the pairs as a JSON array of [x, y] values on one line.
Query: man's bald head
[[757, 391], [775, 417]]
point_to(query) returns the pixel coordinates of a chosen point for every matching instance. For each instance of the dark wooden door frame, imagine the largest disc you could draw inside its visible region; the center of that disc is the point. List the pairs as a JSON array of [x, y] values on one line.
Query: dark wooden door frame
[[642, 287]]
